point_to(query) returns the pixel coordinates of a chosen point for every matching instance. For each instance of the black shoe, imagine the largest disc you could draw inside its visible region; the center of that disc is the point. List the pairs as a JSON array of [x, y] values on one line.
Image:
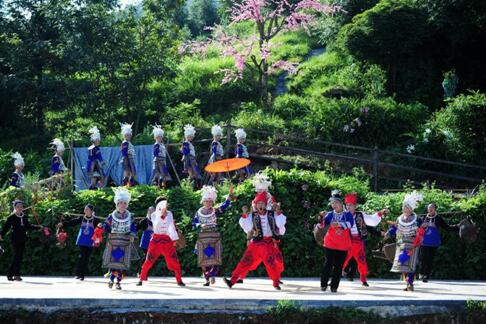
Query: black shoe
[[206, 284], [334, 290], [280, 282], [350, 278], [181, 284], [81, 278], [240, 281], [324, 288], [110, 284], [77, 277], [425, 279], [409, 288], [365, 284], [10, 278], [17, 278], [139, 283], [277, 287], [118, 286], [227, 282]]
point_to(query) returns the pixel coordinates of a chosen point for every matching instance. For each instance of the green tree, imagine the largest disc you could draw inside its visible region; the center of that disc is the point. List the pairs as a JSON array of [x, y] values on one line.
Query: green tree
[[201, 14]]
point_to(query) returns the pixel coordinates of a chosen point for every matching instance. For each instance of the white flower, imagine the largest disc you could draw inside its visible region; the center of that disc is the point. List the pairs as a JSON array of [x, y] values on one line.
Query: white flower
[[428, 131], [410, 148], [447, 134], [346, 128]]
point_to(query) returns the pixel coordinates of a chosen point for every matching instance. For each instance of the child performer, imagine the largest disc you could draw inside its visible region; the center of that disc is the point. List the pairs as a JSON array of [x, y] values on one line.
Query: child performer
[[189, 155], [162, 243], [266, 228], [119, 249], [128, 156], [95, 160], [363, 224], [209, 257], [17, 177], [407, 235], [160, 170], [242, 152], [217, 153], [84, 240]]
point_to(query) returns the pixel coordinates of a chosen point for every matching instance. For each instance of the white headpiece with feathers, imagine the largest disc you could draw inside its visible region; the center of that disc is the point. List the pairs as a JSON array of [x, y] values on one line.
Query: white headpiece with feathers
[[158, 131], [216, 130], [412, 199], [58, 144], [18, 159], [240, 133], [95, 134], [209, 193], [121, 194], [189, 130], [126, 129], [261, 182]]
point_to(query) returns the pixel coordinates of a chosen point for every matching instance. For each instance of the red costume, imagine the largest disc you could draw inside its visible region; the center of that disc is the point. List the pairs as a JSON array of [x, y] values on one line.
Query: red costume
[[266, 228], [162, 243]]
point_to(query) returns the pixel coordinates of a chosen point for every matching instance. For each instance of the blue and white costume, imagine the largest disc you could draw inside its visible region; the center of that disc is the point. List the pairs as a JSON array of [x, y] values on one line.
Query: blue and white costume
[[17, 178], [160, 170], [189, 154]]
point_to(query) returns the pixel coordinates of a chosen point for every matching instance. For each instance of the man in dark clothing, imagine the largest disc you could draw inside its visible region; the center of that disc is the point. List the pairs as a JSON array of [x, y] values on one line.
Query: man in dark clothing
[[19, 224]]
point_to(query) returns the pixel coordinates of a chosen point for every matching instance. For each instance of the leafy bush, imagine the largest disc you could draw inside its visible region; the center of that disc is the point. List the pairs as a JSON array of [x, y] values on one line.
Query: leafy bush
[[384, 122], [457, 131]]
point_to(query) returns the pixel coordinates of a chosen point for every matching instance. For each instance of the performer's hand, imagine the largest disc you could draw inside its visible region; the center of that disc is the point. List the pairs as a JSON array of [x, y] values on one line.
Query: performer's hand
[[231, 190], [1, 238], [321, 216], [132, 239], [278, 211], [99, 225], [385, 211], [383, 234], [175, 243], [244, 209], [59, 225]]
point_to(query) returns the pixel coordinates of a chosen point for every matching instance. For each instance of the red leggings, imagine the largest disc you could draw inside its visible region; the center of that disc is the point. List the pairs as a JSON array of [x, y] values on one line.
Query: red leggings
[[161, 245], [358, 253], [265, 251]]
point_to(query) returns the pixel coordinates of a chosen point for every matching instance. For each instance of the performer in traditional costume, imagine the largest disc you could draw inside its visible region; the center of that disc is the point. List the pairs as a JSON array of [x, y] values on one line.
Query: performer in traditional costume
[[17, 178], [363, 224], [337, 241], [262, 184], [57, 164], [431, 241], [89, 222], [408, 236], [208, 246], [265, 228], [160, 170], [19, 223], [128, 156], [162, 243], [217, 153], [189, 155], [120, 250], [95, 160], [242, 152]]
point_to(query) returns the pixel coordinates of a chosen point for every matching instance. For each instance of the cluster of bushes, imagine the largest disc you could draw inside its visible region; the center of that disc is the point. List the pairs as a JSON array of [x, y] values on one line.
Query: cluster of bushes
[[302, 194]]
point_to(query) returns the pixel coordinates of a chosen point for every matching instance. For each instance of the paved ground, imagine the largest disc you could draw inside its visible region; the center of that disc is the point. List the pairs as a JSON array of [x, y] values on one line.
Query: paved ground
[[254, 295]]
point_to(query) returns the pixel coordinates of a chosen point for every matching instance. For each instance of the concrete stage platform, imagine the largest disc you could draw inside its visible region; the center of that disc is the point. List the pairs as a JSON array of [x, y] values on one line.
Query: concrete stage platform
[[255, 295]]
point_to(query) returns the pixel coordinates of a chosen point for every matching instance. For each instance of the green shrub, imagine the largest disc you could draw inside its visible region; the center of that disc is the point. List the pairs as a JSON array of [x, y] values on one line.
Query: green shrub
[[384, 122], [456, 131]]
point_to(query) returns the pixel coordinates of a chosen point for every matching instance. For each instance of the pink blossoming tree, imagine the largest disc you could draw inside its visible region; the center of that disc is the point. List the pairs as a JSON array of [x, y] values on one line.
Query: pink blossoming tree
[[270, 18]]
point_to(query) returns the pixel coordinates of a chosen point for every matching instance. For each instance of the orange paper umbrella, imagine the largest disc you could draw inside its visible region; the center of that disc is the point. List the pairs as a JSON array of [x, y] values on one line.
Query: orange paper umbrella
[[227, 165]]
